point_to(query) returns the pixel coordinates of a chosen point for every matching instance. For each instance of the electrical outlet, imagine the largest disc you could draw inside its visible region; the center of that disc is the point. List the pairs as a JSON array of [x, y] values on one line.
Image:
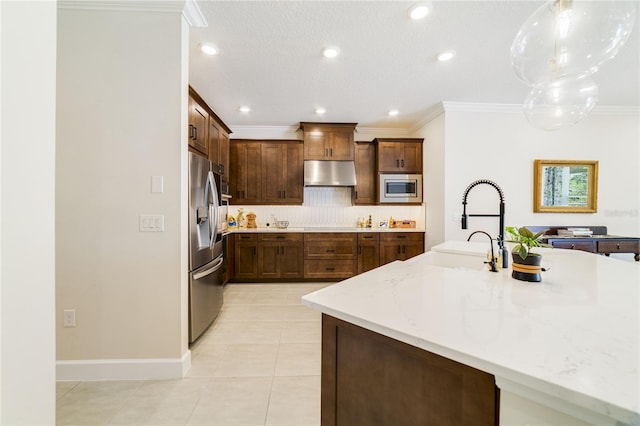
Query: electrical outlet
[[69, 318]]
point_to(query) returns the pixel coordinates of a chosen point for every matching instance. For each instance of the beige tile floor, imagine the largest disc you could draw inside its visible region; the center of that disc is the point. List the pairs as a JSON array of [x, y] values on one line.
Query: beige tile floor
[[259, 364]]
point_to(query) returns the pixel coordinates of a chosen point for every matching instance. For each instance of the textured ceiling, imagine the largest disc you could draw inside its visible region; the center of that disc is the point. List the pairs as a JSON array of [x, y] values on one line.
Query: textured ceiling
[[270, 59]]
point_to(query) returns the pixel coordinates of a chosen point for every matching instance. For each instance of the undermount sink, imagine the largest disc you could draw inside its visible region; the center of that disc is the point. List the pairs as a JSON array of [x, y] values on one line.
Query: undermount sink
[[454, 261]]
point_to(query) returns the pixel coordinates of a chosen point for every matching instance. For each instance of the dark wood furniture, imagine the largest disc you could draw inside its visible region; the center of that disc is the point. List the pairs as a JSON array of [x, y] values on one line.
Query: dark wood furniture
[[208, 135], [328, 141], [330, 255], [368, 251], [600, 242], [364, 193], [280, 255], [399, 155], [369, 379], [266, 172], [400, 246]]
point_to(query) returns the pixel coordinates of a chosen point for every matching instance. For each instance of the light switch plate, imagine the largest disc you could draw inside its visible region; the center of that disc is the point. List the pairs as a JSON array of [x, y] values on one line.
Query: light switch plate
[[151, 223], [157, 184]]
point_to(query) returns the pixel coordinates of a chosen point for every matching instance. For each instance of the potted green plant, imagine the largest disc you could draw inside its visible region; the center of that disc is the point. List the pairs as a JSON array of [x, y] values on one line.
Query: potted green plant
[[526, 264]]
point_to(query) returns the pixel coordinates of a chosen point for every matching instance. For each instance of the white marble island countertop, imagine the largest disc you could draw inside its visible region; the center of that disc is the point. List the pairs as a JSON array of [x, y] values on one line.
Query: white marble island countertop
[[570, 342]]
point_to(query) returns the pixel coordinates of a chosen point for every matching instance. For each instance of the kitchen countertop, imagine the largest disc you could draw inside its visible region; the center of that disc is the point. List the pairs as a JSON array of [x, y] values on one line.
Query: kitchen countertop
[[571, 341], [323, 229]]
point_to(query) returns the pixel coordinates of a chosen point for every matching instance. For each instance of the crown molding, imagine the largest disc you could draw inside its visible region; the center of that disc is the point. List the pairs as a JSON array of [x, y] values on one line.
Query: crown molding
[[433, 112], [193, 14], [189, 8]]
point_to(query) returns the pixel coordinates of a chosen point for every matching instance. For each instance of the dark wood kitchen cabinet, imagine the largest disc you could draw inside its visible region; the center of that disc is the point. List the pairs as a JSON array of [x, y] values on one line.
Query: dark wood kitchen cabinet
[[219, 145], [282, 172], [198, 123], [245, 257], [368, 251], [266, 172], [330, 255], [328, 141], [280, 255], [245, 177], [364, 193], [400, 246], [399, 155], [371, 379], [208, 135]]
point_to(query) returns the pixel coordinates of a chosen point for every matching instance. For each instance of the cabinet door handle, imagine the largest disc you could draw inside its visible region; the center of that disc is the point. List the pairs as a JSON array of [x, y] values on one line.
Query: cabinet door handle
[[404, 249], [331, 251], [618, 246], [190, 131], [282, 252], [398, 250], [330, 152], [397, 163], [330, 269], [195, 132], [402, 163], [573, 246]]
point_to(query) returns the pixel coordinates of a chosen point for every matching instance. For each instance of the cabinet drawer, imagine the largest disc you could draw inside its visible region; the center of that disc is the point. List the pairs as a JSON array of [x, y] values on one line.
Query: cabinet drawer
[[330, 268], [399, 238], [618, 246], [334, 245], [589, 246], [280, 236], [246, 238], [365, 237]]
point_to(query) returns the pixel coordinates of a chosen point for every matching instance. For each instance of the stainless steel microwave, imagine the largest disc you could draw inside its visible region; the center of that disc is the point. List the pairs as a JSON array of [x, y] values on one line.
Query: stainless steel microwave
[[400, 188]]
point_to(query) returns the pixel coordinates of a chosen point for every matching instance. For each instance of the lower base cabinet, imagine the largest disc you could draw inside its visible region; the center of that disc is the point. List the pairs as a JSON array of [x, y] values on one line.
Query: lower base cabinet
[[272, 256], [370, 379], [368, 251], [400, 246], [330, 255], [280, 255]]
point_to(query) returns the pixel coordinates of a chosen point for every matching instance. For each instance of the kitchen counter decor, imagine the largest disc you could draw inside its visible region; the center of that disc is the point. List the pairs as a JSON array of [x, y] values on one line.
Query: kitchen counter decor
[[526, 264]]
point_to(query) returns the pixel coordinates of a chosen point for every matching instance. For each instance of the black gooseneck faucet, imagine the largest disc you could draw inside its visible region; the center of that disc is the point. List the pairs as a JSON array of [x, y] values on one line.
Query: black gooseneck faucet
[[500, 239], [492, 262]]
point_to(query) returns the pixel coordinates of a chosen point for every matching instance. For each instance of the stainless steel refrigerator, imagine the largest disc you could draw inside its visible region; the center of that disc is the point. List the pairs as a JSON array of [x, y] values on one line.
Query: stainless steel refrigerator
[[206, 245]]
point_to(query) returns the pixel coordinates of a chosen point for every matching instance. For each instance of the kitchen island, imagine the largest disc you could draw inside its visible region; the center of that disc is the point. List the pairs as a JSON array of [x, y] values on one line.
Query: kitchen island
[[563, 351]]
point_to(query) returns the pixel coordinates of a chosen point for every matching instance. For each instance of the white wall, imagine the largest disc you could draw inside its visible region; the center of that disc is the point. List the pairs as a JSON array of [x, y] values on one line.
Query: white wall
[[27, 122], [121, 119], [497, 143]]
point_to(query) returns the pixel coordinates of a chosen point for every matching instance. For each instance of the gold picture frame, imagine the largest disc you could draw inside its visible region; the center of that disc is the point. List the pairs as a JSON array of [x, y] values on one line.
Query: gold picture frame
[[565, 186]]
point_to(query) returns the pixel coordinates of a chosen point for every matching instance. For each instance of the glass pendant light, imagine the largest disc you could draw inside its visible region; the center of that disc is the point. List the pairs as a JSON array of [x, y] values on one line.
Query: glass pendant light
[[570, 37], [561, 102]]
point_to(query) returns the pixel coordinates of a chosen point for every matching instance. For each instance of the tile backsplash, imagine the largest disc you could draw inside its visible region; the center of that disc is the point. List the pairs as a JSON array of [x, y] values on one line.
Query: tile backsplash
[[330, 207]]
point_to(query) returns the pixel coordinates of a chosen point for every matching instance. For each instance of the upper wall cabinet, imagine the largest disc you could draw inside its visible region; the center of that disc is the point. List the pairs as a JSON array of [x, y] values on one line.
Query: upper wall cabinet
[[208, 135], [399, 155], [198, 122], [328, 141], [266, 172], [364, 193]]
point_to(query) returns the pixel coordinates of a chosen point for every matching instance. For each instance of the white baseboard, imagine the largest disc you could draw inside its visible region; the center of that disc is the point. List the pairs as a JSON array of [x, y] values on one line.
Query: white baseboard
[[123, 369]]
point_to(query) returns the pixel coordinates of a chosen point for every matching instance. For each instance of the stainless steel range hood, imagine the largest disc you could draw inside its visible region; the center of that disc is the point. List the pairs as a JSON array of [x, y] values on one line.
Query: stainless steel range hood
[[329, 173]]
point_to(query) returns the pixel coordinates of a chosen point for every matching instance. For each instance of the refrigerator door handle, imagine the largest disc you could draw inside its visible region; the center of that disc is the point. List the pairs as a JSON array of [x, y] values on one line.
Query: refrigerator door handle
[[219, 261], [213, 201]]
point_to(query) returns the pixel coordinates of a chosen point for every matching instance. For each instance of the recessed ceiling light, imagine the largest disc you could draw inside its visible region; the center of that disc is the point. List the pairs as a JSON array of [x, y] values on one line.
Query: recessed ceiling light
[[419, 11], [209, 49], [446, 55], [320, 111], [330, 52], [244, 108], [393, 112]]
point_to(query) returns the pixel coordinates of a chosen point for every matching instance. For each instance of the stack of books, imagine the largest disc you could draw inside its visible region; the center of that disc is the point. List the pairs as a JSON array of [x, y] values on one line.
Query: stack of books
[[575, 232]]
